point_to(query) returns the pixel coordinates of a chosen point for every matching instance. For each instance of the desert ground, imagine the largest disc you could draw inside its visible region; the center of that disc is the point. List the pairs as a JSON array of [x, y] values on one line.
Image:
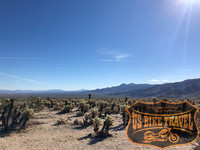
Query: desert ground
[[42, 133]]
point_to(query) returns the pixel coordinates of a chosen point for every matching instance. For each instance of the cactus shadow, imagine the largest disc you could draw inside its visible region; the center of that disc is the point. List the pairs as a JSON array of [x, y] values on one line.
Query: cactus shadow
[[60, 113], [81, 127], [84, 137], [8, 133], [96, 140], [93, 140], [119, 127], [3, 134]]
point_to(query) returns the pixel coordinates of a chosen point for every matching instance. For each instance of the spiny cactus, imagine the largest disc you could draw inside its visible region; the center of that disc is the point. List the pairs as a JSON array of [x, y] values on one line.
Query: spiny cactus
[[12, 117], [109, 120], [102, 105], [87, 119], [154, 99], [84, 107], [107, 111], [126, 98], [124, 113], [92, 103], [27, 114], [89, 95], [96, 124], [94, 112], [113, 105], [52, 104], [116, 109], [67, 108]]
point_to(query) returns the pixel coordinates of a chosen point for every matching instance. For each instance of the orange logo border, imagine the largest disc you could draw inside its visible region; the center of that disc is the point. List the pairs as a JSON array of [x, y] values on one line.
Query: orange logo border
[[158, 103]]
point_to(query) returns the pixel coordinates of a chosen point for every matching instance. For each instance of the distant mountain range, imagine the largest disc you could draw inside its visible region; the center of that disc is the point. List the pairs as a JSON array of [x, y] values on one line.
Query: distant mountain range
[[37, 91], [188, 88]]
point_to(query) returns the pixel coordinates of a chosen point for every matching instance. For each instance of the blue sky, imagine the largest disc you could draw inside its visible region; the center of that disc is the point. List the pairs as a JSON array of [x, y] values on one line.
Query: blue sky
[[88, 44]]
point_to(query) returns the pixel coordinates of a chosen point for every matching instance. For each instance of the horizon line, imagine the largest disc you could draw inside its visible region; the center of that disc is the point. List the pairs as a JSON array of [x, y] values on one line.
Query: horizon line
[[94, 88]]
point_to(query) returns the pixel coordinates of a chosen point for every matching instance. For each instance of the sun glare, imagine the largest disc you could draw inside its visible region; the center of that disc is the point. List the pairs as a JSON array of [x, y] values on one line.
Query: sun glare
[[190, 1]]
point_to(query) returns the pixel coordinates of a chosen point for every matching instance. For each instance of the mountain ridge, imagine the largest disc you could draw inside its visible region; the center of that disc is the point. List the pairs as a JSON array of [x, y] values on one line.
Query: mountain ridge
[[181, 89]]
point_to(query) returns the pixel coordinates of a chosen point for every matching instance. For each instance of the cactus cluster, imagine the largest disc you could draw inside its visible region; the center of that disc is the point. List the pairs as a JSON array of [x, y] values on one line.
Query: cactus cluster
[[68, 108], [96, 124], [109, 120], [124, 113], [88, 120], [13, 117], [84, 107], [102, 106]]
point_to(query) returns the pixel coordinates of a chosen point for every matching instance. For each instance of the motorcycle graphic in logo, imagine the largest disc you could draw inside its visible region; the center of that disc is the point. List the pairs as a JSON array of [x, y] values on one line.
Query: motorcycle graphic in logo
[[163, 135], [162, 124]]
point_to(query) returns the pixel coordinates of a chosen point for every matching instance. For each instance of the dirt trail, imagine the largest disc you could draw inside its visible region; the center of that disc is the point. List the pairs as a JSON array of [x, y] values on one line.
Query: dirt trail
[[47, 136]]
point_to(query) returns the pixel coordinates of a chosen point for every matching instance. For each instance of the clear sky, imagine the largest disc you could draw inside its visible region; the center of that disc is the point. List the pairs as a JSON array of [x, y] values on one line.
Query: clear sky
[[88, 44]]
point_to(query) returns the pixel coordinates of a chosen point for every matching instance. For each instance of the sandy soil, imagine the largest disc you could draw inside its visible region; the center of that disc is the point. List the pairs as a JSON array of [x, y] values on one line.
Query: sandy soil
[[45, 135]]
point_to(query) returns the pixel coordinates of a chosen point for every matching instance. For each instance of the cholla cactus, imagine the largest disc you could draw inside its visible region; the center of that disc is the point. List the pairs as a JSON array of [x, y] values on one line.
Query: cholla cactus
[[12, 117], [61, 121], [113, 106], [115, 110], [94, 112], [7, 100], [126, 98], [87, 119], [124, 113], [84, 107], [107, 111], [102, 105], [154, 99], [27, 114], [109, 120], [92, 103], [52, 104], [89, 95], [96, 124], [66, 109]]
